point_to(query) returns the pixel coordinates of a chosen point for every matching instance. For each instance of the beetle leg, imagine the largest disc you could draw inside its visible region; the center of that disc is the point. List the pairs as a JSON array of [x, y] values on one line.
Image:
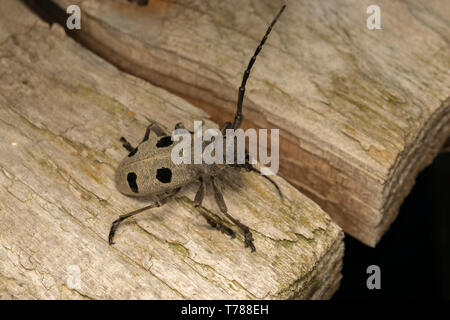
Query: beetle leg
[[180, 125], [147, 132], [226, 125], [211, 221], [156, 129], [200, 193], [121, 218], [127, 145], [160, 132], [248, 237], [249, 167]]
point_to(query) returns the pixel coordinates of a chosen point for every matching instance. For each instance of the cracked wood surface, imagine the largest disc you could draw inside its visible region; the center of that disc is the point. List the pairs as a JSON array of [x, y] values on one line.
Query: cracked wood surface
[[360, 111], [62, 111]]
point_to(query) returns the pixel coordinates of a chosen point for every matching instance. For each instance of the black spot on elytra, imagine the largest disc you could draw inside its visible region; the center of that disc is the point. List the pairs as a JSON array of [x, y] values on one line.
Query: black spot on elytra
[[132, 153], [131, 177], [164, 175], [164, 142]]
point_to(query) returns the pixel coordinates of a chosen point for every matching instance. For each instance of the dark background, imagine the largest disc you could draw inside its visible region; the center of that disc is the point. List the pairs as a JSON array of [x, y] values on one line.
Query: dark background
[[414, 255]]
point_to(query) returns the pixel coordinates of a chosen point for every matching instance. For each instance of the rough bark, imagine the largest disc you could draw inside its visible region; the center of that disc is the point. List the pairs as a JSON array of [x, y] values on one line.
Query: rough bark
[[361, 111], [62, 112]]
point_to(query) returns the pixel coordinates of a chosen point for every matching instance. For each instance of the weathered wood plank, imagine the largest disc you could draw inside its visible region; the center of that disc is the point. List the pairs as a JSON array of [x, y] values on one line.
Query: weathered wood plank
[[62, 111], [361, 111]]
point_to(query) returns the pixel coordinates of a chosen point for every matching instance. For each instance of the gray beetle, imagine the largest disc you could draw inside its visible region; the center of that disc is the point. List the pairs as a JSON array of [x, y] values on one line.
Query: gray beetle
[[148, 169]]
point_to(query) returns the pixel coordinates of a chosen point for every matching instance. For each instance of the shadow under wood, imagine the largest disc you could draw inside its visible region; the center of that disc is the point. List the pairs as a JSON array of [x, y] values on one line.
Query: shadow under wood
[[446, 147]]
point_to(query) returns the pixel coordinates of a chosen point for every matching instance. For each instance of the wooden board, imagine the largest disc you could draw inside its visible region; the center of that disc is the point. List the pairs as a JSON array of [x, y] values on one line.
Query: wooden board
[[360, 111], [62, 112]]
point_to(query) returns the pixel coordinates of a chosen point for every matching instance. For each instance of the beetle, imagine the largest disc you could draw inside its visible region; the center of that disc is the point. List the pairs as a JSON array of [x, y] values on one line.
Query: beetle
[[148, 170]]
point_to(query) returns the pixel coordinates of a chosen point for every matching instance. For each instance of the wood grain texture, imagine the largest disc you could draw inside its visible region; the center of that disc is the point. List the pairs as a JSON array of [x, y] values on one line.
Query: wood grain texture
[[62, 112], [360, 111]]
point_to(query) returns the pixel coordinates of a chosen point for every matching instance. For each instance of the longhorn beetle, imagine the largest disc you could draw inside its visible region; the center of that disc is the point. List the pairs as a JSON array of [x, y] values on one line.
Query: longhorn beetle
[[148, 168]]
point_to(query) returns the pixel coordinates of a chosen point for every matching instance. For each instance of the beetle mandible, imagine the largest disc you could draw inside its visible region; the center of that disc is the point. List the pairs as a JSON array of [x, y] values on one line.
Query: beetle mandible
[[149, 171]]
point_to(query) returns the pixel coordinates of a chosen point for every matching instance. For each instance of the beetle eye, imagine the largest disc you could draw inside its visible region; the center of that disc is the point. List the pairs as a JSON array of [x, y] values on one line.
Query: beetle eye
[[164, 142], [164, 175], [131, 178]]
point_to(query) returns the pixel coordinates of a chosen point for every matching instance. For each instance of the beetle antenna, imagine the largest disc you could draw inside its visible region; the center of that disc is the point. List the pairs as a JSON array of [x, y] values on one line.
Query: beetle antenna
[[238, 117], [251, 168]]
